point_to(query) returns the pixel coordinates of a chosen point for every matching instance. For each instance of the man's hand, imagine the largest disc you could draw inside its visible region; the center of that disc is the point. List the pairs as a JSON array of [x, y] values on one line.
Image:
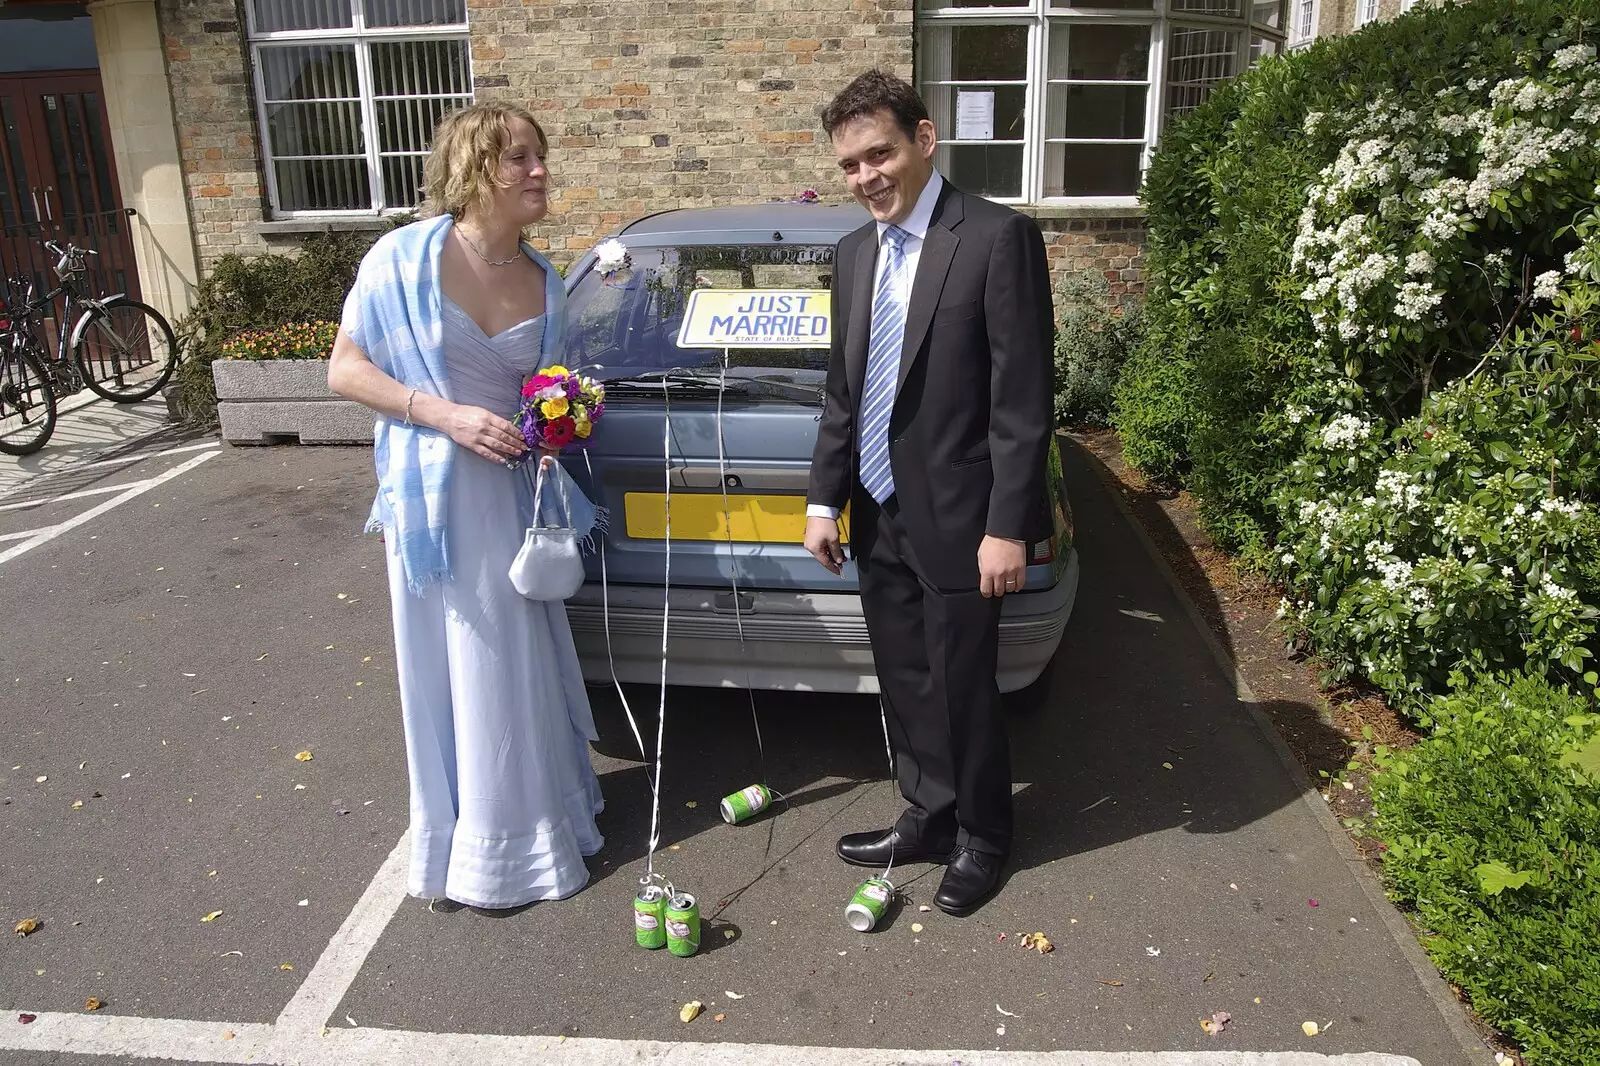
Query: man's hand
[[822, 541], [1001, 564]]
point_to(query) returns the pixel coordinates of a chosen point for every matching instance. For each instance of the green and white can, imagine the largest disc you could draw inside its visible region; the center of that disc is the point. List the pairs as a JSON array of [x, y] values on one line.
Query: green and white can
[[745, 804], [683, 925], [650, 917], [868, 906]]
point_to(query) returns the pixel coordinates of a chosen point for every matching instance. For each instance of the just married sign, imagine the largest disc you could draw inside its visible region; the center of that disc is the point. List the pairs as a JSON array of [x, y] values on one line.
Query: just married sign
[[756, 318]]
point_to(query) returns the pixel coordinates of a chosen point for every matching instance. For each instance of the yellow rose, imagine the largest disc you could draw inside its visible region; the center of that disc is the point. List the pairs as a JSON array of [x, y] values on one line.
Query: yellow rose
[[555, 371], [583, 429], [554, 408]]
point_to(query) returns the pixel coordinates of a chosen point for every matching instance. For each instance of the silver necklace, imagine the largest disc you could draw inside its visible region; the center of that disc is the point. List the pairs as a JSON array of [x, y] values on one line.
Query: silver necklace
[[486, 259]]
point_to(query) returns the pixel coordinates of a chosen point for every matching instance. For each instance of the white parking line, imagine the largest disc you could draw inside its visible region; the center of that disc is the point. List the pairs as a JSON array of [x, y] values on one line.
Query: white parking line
[[120, 459], [25, 533], [81, 494], [45, 536]]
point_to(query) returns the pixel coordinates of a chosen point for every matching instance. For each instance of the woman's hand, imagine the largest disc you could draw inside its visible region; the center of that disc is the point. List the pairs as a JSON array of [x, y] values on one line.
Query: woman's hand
[[484, 432]]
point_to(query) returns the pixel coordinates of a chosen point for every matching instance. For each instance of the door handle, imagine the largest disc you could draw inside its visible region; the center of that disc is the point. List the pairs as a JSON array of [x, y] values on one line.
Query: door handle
[[33, 190], [725, 603], [48, 189]]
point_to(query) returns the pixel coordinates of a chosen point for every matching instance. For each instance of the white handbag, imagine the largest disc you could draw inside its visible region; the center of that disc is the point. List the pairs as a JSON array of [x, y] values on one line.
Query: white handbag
[[549, 565]]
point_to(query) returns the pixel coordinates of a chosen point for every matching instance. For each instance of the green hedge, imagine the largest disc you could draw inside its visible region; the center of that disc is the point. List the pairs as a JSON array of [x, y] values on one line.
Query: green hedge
[[1093, 342], [1493, 835]]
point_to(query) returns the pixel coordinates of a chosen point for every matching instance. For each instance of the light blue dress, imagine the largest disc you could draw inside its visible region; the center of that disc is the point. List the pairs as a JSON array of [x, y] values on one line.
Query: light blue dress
[[497, 720]]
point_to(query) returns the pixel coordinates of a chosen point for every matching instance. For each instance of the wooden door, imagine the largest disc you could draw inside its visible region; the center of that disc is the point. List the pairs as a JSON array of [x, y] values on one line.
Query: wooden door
[[58, 180]]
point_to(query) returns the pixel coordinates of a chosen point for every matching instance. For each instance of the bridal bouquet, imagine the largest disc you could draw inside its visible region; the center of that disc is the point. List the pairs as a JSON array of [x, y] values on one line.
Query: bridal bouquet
[[559, 407]]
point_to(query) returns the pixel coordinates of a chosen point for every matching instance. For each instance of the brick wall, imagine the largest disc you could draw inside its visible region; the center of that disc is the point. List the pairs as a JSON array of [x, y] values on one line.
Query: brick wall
[[1110, 247], [649, 105], [215, 114]]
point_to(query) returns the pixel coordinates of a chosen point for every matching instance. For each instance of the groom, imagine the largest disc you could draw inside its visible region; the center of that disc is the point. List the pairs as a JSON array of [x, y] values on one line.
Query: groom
[[935, 431]]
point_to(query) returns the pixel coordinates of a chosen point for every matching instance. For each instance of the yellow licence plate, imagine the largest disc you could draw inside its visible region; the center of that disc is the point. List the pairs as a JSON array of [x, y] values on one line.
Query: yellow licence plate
[[700, 516]]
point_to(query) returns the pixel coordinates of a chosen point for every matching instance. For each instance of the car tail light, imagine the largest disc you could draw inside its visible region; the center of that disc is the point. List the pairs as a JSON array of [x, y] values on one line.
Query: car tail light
[[1044, 551]]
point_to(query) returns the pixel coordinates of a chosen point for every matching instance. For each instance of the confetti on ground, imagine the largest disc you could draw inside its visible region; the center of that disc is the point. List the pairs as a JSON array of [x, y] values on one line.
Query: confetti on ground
[[285, 966], [41, 779], [303, 903], [733, 995], [1216, 1023], [999, 1030], [718, 1017], [1310, 1028], [227, 1034], [924, 908], [692, 804], [1112, 984], [304, 756], [225, 954], [27, 1019], [916, 927], [690, 1011], [27, 926], [1007, 1013], [77, 805], [1152, 952], [1312, 903], [92, 1004], [213, 916], [1038, 942]]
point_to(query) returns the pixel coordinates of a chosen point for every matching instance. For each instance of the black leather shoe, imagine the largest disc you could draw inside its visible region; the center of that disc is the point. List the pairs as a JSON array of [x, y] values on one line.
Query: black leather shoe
[[875, 848], [968, 881]]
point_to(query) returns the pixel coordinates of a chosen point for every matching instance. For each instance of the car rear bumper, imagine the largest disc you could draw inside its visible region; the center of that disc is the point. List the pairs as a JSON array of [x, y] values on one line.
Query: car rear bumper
[[800, 641]]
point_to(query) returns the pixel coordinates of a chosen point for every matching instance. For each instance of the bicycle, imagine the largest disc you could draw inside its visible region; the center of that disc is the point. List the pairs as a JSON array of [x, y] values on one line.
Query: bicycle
[[120, 348]]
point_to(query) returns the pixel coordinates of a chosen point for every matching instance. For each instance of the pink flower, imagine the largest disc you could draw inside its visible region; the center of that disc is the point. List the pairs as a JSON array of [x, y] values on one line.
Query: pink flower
[[535, 383]]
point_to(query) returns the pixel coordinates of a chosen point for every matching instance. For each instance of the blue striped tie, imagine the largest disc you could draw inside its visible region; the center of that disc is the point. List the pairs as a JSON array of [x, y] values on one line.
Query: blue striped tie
[[883, 367]]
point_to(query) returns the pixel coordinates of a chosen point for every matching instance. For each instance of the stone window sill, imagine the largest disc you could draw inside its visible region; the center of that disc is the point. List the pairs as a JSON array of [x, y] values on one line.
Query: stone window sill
[[288, 227], [1049, 211]]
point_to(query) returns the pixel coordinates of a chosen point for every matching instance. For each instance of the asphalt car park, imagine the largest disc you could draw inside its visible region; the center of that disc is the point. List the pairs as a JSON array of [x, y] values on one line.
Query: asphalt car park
[[167, 661]]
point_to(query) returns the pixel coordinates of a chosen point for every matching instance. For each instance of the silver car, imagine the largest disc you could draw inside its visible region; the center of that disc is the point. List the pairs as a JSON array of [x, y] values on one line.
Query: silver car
[[726, 435]]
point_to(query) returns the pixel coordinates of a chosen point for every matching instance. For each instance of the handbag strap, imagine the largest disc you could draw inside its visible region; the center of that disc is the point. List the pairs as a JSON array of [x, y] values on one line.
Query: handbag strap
[[538, 493]]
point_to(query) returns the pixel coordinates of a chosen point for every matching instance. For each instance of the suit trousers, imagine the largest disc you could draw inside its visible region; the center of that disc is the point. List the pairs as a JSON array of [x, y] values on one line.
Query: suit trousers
[[936, 652]]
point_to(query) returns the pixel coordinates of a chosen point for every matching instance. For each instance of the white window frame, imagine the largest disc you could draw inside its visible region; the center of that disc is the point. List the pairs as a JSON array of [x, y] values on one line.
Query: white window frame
[[1302, 12], [1037, 15], [1366, 12], [359, 34]]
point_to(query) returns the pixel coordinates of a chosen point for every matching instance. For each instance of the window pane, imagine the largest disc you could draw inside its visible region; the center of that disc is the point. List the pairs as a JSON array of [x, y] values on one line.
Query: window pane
[[1269, 13], [323, 185], [420, 68], [1088, 52], [1095, 111], [301, 14], [309, 72], [416, 12], [314, 129], [1199, 59], [1009, 108], [1091, 169], [946, 5], [1205, 7], [973, 53], [983, 169], [408, 125], [1113, 5], [402, 180], [1263, 48]]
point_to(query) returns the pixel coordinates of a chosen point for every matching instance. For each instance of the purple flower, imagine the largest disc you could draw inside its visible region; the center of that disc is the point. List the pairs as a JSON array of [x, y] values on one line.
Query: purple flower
[[574, 388]]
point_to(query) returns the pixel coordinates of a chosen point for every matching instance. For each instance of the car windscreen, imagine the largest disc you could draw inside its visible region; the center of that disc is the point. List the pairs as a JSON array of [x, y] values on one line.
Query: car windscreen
[[625, 325]]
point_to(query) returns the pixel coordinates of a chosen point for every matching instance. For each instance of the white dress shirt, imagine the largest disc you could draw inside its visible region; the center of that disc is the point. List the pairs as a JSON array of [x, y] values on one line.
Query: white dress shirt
[[915, 226]]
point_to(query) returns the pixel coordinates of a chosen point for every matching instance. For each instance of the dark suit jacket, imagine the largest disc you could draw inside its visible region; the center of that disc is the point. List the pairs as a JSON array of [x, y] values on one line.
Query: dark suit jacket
[[970, 433]]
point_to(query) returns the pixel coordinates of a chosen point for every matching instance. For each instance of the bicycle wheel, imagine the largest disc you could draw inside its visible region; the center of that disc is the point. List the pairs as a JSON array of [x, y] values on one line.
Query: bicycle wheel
[[27, 403], [124, 349]]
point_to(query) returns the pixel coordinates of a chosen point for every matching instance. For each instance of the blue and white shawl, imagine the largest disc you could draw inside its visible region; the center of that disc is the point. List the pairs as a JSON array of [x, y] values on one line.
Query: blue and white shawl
[[394, 314]]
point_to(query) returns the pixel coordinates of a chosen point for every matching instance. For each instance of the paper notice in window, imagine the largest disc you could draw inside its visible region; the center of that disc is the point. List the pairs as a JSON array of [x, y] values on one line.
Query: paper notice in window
[[974, 114]]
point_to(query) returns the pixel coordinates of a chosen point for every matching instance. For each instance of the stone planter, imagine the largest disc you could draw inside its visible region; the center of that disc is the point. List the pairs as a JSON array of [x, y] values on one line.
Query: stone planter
[[274, 400]]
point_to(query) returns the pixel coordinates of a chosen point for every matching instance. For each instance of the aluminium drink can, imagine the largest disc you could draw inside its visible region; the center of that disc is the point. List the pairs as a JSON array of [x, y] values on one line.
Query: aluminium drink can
[[650, 917], [683, 925], [745, 804], [868, 906]]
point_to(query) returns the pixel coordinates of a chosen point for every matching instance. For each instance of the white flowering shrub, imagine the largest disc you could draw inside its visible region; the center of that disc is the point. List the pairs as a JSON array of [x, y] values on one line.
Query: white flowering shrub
[[1466, 531]]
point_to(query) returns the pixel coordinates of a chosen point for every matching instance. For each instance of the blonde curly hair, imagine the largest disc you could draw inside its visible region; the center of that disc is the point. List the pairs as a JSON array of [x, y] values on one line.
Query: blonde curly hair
[[463, 169]]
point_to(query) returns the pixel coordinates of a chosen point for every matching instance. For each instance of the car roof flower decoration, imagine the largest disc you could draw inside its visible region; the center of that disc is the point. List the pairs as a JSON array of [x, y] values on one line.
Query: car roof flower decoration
[[611, 257]]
